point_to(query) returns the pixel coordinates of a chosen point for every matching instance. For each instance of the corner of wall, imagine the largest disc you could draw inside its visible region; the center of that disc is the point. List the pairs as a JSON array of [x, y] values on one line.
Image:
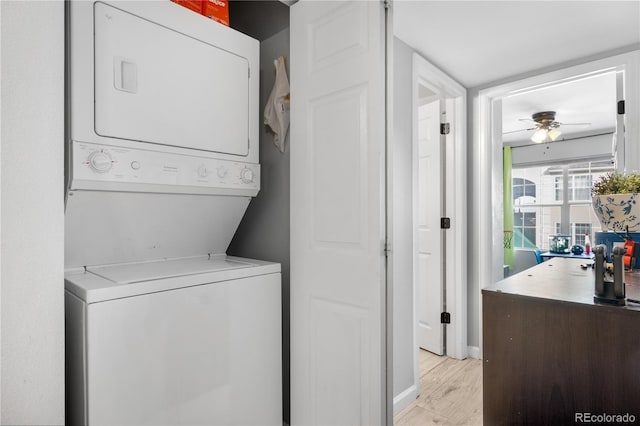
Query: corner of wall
[[404, 399]]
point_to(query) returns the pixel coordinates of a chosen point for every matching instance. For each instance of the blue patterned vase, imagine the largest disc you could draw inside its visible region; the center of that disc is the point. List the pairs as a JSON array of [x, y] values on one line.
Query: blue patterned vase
[[617, 211]]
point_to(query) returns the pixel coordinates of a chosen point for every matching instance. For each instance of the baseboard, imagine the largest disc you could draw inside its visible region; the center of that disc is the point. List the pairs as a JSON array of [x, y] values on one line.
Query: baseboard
[[474, 352], [404, 398]]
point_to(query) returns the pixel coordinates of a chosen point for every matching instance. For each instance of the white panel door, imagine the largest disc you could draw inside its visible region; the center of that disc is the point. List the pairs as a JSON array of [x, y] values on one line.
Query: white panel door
[[337, 213], [428, 254]]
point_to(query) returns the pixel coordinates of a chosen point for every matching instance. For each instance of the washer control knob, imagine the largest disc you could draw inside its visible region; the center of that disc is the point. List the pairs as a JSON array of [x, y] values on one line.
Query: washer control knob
[[135, 165], [222, 172], [100, 161], [246, 175], [202, 170]]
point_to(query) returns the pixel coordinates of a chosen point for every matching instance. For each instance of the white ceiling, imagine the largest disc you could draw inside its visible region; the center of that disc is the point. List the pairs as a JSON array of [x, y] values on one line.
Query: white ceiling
[[590, 100], [480, 42]]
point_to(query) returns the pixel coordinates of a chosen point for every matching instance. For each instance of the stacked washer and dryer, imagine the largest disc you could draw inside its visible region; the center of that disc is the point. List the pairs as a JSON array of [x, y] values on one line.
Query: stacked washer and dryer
[[162, 327]]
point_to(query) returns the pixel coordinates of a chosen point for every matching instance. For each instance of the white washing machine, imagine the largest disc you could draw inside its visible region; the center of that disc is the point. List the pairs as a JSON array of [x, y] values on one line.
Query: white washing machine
[[162, 326], [181, 341]]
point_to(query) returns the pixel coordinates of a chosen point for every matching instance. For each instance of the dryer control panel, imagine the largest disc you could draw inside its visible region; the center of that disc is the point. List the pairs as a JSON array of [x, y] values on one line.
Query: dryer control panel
[[114, 168]]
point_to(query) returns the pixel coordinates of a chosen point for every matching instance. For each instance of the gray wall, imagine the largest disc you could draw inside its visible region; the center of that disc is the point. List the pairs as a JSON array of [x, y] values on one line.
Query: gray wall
[[264, 230], [402, 211], [32, 135], [260, 19]]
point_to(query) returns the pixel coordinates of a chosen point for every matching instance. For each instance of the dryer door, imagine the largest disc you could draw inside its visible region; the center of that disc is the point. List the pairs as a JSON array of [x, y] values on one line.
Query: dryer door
[[157, 85]]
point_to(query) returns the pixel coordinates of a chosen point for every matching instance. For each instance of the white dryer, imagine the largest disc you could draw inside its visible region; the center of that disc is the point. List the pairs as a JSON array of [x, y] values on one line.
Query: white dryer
[[162, 162]]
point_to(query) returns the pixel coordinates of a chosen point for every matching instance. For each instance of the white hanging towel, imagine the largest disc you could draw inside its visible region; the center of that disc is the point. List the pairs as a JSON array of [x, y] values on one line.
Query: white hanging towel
[[276, 112]]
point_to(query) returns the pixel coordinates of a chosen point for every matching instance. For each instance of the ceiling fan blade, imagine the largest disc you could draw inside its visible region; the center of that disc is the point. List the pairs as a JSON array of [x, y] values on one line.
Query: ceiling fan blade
[[574, 124], [526, 119], [521, 130]]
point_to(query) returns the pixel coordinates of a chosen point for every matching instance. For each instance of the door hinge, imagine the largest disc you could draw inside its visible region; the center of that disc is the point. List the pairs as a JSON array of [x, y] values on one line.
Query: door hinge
[[445, 318], [445, 223], [445, 128], [621, 107], [387, 4], [387, 249]]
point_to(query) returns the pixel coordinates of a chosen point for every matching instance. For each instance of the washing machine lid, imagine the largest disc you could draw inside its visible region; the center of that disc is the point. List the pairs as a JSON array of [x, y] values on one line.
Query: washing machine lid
[[102, 283], [157, 270]]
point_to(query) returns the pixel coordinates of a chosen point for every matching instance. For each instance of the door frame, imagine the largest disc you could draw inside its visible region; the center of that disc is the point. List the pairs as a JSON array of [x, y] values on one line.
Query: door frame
[[455, 201], [486, 188]]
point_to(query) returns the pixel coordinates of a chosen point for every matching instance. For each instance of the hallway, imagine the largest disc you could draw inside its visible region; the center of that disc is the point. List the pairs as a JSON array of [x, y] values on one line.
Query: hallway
[[451, 393]]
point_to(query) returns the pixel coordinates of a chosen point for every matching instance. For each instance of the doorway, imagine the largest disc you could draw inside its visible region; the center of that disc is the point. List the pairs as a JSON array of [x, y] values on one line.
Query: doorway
[[440, 100], [423, 247], [439, 209], [486, 189]]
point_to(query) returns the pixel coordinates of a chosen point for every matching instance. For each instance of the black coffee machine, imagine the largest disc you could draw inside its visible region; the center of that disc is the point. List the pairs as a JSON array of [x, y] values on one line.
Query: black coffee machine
[[610, 287]]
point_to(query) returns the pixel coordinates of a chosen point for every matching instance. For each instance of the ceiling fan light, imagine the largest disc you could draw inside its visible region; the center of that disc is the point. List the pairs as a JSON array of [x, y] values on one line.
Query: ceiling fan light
[[539, 136], [554, 134]]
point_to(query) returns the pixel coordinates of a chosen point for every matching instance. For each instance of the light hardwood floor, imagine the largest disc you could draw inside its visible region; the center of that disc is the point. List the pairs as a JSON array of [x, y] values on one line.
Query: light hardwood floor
[[451, 393]]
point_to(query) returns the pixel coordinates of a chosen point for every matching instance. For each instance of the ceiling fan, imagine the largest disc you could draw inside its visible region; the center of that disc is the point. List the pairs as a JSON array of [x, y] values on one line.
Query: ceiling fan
[[546, 126]]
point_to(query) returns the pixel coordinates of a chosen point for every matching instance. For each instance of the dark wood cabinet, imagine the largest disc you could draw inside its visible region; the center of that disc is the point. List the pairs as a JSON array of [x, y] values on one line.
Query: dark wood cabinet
[[550, 353]]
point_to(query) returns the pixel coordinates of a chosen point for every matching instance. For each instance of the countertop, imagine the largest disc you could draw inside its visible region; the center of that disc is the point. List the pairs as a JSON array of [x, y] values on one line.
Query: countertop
[[563, 280], [550, 353]]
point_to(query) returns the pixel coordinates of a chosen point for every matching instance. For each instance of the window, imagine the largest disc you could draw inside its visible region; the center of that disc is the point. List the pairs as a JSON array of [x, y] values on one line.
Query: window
[[540, 205], [558, 188], [523, 188], [524, 229], [578, 232], [579, 187]]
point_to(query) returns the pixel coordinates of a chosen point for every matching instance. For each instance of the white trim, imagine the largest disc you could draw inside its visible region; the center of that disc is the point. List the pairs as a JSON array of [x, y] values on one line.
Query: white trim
[[619, 146], [1, 85], [456, 175], [456, 205], [474, 352], [488, 188], [414, 217], [389, 181], [497, 176], [405, 398]]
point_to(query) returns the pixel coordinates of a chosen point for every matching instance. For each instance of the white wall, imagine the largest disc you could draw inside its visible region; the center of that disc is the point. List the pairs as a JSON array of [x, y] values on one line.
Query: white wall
[[32, 136], [264, 230], [402, 256]]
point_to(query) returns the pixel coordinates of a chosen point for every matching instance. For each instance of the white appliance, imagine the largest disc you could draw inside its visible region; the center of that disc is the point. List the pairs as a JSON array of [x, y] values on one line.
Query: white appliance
[[182, 341], [162, 161], [158, 73]]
